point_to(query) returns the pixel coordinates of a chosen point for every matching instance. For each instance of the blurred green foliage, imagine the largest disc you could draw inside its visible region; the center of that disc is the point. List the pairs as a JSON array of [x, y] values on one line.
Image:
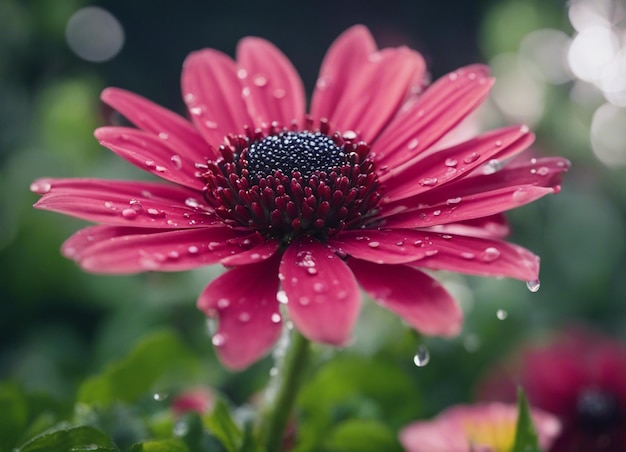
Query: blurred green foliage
[[91, 350]]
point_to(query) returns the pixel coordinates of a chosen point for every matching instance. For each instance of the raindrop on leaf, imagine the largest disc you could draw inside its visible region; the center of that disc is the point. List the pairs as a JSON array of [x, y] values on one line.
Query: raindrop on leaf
[[422, 356]]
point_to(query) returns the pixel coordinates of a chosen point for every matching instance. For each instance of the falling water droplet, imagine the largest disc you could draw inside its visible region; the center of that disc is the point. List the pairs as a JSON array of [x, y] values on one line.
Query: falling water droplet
[[422, 356], [533, 285], [501, 314], [159, 396]]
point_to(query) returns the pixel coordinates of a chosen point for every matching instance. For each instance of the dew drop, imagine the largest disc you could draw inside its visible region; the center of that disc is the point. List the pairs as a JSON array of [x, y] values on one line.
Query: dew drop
[[437, 213], [245, 92], [453, 76], [468, 256], [454, 200], [242, 73], [260, 80], [322, 83], [190, 98], [311, 271], [135, 205], [373, 244], [320, 287], [492, 166], [192, 249], [177, 161], [163, 136], [173, 255], [281, 296], [244, 317], [40, 187], [192, 202], [498, 143], [501, 314], [422, 356], [413, 144], [490, 254], [276, 318], [520, 195], [210, 124], [543, 171], [279, 93], [196, 111], [533, 285], [428, 181], [304, 301], [472, 157], [349, 135], [273, 371], [451, 162], [129, 213], [218, 340], [223, 303]]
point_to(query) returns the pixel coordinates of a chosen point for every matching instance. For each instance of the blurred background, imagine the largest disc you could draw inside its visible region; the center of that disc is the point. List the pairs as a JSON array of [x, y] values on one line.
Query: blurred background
[[560, 68]]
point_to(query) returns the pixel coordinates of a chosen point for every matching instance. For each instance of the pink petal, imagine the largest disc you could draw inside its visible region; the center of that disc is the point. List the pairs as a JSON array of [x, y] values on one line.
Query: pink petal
[[376, 92], [272, 87], [478, 196], [176, 132], [343, 61], [124, 203], [121, 250], [149, 153], [470, 255], [323, 295], [260, 252], [452, 163], [244, 301], [493, 227], [423, 121], [213, 95], [416, 297]]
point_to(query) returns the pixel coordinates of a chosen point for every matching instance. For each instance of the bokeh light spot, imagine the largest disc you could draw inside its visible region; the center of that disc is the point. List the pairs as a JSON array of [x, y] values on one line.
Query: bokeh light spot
[[94, 34]]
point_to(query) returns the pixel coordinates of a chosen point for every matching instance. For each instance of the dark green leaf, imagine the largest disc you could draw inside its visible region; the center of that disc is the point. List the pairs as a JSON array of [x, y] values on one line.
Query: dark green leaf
[[220, 424], [70, 439], [13, 415], [361, 436], [153, 358], [164, 445], [525, 434]]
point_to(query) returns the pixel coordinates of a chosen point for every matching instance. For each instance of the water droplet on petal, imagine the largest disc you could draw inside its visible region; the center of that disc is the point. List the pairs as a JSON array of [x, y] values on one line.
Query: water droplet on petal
[[453, 200], [311, 271], [422, 356], [468, 256], [281, 296], [543, 171], [490, 254], [276, 318], [210, 124], [260, 80], [190, 98], [304, 301], [492, 166], [244, 317], [135, 205], [472, 157], [521, 195], [533, 285], [501, 314], [279, 93], [40, 187], [242, 73], [428, 181], [413, 144], [373, 244], [451, 162], [196, 111], [163, 136], [129, 213], [223, 303], [349, 135], [192, 249], [218, 340]]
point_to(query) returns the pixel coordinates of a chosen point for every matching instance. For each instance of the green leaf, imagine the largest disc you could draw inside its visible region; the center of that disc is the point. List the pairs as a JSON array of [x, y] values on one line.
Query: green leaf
[[159, 355], [67, 438], [525, 435], [221, 425], [13, 415], [352, 387], [362, 436], [165, 445]]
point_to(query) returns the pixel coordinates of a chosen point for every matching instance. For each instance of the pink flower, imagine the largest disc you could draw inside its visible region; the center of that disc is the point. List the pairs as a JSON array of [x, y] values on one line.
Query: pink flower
[[475, 428], [357, 192], [199, 400], [581, 378]]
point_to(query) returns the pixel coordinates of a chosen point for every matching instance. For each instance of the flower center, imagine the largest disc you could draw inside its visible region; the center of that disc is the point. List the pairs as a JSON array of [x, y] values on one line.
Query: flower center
[[597, 409], [305, 152], [285, 183]]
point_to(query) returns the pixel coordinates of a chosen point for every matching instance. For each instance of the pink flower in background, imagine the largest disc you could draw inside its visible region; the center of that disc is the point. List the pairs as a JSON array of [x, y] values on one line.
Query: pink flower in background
[[360, 191], [475, 428], [199, 400], [581, 378]]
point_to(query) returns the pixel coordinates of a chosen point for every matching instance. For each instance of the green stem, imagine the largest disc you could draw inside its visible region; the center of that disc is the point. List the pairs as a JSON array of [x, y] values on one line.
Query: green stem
[[286, 388]]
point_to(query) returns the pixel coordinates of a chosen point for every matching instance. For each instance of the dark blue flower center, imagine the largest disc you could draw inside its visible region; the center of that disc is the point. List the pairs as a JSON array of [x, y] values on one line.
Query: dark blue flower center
[[598, 409], [305, 152]]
